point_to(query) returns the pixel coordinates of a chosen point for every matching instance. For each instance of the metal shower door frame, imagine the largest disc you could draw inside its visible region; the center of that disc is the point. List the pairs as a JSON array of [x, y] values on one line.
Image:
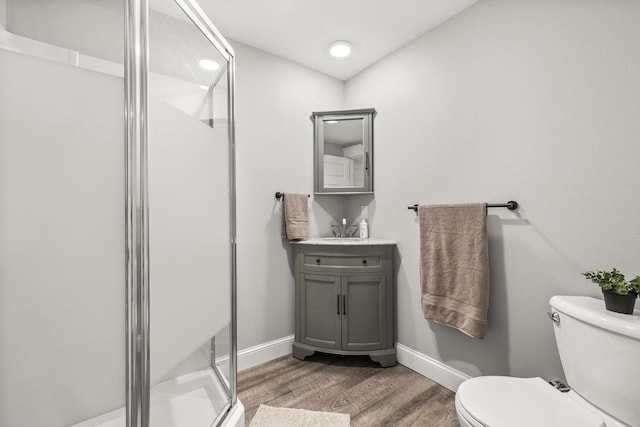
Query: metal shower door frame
[[137, 208]]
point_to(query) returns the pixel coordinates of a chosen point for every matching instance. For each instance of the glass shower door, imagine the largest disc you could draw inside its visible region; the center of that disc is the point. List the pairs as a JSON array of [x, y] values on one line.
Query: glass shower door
[[69, 285], [62, 198], [190, 228]]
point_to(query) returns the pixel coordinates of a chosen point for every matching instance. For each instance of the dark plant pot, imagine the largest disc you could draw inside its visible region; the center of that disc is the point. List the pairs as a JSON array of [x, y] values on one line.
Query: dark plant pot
[[619, 303]]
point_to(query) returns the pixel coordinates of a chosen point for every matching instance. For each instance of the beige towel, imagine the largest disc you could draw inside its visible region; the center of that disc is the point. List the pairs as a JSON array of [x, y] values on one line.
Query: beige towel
[[295, 216], [454, 266]]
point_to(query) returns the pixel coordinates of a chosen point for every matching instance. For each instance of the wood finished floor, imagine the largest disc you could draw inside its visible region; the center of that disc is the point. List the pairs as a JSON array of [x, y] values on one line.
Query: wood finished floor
[[372, 395]]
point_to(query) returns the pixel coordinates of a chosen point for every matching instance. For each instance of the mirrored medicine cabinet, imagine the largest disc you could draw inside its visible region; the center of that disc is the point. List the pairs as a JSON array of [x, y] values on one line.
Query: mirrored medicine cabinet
[[343, 150]]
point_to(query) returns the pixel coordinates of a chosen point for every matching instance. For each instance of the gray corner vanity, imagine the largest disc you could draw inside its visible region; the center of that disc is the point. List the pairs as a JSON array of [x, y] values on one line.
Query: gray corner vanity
[[345, 298]]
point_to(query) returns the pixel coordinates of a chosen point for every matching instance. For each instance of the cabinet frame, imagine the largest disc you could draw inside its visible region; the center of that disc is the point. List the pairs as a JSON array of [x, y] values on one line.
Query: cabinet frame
[[344, 281]]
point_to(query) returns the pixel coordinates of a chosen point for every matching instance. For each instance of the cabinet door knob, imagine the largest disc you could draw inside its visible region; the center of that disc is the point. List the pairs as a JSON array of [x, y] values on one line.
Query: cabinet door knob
[[338, 303], [317, 260], [364, 261], [344, 305]]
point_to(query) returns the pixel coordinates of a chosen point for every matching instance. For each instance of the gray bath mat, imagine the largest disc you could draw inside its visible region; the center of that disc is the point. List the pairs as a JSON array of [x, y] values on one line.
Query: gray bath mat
[[268, 416]]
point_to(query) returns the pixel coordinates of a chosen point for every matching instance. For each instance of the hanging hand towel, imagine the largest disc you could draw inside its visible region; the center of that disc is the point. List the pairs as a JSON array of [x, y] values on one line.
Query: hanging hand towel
[[295, 216], [454, 266]]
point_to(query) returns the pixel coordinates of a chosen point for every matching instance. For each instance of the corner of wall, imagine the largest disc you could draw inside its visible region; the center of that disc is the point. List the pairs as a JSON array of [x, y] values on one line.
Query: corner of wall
[[428, 367], [343, 101]]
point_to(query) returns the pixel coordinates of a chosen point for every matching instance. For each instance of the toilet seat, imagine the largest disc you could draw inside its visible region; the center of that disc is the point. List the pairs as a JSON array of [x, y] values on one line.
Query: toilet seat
[[524, 402]]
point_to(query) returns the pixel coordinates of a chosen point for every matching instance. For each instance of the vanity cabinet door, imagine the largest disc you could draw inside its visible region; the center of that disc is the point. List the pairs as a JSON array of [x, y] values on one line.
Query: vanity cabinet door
[[364, 313], [320, 311], [345, 302]]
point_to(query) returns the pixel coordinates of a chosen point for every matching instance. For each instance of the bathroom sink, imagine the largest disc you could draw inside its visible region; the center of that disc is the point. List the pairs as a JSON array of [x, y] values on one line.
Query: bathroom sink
[[346, 239], [337, 241]]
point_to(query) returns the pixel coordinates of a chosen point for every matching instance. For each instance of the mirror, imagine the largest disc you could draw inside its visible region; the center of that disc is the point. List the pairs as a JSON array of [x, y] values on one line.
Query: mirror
[[343, 142]]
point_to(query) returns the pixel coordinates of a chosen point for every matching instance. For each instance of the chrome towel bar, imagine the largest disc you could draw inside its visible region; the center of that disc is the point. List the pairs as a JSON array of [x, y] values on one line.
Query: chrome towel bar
[[279, 195], [511, 205]]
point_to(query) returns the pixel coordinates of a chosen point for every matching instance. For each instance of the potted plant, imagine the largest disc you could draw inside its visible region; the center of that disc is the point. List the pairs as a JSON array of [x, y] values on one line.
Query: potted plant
[[619, 294]]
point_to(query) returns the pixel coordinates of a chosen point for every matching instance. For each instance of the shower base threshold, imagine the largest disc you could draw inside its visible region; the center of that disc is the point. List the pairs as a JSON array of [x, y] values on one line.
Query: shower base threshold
[[195, 399]]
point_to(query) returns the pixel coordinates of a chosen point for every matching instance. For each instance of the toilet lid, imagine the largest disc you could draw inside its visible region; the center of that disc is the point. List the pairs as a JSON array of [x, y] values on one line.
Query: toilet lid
[[522, 402]]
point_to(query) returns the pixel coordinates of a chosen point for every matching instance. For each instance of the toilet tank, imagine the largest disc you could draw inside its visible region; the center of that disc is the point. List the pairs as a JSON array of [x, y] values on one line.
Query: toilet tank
[[600, 354]]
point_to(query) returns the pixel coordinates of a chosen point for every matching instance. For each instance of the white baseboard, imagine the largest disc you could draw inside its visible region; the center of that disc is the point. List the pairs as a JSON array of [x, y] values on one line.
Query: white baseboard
[[436, 371], [264, 352], [424, 365]]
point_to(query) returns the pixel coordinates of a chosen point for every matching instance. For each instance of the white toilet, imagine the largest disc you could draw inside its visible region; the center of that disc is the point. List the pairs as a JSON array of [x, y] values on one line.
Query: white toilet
[[600, 353]]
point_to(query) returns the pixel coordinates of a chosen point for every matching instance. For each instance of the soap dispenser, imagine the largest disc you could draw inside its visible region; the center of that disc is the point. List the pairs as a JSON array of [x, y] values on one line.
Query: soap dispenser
[[364, 227]]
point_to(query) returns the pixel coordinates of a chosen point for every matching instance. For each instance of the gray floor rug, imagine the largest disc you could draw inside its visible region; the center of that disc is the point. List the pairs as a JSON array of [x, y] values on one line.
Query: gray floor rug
[[267, 416]]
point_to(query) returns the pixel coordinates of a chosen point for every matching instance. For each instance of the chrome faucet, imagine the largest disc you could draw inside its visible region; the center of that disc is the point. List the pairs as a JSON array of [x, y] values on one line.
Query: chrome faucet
[[344, 230]]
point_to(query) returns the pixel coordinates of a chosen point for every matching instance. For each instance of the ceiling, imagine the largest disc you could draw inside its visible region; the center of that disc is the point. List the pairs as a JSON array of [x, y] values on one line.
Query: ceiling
[[301, 30]]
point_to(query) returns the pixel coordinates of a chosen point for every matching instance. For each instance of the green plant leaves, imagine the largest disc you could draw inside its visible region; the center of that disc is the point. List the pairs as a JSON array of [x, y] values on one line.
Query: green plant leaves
[[613, 280]]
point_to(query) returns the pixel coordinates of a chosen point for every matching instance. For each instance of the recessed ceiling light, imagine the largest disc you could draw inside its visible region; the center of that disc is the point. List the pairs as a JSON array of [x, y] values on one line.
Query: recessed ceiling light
[[209, 64], [340, 49]]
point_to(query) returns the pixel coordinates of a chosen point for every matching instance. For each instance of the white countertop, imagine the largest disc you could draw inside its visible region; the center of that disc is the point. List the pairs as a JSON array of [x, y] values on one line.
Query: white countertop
[[344, 241]]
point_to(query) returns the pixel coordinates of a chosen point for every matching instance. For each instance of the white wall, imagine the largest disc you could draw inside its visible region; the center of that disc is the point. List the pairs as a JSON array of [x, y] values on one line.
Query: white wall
[[535, 101], [275, 98]]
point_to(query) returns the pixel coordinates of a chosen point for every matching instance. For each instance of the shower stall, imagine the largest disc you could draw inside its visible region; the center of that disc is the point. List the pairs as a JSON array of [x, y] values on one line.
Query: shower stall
[[117, 216]]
